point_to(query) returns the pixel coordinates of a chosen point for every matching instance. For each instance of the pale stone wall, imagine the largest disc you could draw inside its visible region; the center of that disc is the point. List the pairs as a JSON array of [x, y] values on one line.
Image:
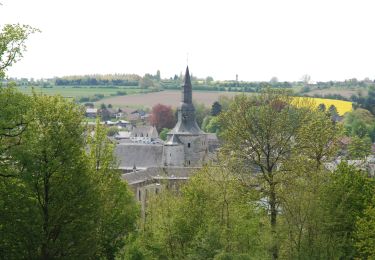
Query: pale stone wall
[[174, 155], [195, 149]]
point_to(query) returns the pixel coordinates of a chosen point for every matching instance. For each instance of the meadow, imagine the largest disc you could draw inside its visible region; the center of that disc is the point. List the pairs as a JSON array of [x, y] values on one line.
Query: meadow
[[345, 92], [77, 92]]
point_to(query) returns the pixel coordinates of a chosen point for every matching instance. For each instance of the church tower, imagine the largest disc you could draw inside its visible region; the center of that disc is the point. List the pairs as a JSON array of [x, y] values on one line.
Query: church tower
[[186, 144], [186, 112]]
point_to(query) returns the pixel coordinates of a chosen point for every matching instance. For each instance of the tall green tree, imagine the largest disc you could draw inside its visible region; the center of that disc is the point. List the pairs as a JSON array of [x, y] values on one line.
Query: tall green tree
[[55, 175], [344, 199], [258, 131], [365, 232], [118, 210]]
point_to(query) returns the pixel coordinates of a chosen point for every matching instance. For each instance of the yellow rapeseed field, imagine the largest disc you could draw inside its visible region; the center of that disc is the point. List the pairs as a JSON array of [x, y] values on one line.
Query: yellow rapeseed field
[[342, 106]]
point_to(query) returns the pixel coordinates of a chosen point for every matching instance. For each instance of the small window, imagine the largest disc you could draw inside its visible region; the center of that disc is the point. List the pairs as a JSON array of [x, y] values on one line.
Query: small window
[[188, 145], [170, 155], [139, 194], [189, 162]]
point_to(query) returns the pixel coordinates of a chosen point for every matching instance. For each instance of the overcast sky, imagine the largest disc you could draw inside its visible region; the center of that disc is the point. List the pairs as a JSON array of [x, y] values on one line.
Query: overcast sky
[[327, 39]]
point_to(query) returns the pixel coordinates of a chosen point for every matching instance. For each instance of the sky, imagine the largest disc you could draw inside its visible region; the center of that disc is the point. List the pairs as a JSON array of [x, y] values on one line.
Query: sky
[[256, 39]]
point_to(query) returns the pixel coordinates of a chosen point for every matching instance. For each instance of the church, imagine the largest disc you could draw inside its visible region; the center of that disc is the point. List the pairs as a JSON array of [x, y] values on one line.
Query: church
[[186, 145], [147, 167]]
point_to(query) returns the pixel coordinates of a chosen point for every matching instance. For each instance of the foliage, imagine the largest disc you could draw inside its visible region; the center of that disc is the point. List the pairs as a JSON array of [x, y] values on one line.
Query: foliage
[[214, 215], [78, 210], [213, 126], [112, 131], [201, 111], [163, 133], [53, 177], [345, 197], [12, 44], [265, 134], [365, 232], [359, 148], [13, 121], [216, 109], [118, 211], [361, 123], [162, 117]]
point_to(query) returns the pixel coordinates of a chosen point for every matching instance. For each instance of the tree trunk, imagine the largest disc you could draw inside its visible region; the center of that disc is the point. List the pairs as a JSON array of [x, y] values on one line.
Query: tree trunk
[[273, 209]]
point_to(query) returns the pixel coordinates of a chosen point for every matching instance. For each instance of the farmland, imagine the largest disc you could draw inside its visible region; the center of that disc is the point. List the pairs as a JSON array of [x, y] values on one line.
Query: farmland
[[77, 92], [345, 92], [342, 106], [170, 98]]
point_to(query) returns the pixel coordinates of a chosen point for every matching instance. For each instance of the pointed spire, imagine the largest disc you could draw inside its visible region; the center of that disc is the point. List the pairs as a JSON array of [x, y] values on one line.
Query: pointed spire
[[187, 88], [187, 77]]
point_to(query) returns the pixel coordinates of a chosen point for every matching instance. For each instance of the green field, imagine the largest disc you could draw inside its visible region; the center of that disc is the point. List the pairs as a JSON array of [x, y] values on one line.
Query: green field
[[83, 91]]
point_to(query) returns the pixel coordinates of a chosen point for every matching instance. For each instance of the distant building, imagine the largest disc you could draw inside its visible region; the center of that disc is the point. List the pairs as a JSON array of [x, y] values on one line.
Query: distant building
[[186, 145], [91, 112]]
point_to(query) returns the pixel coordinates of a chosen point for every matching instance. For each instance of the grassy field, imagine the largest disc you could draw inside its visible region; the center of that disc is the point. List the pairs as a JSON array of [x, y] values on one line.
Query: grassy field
[[343, 92], [72, 92]]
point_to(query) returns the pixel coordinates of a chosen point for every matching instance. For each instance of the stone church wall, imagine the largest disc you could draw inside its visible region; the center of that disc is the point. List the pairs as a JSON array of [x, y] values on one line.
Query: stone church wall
[[173, 155], [195, 149]]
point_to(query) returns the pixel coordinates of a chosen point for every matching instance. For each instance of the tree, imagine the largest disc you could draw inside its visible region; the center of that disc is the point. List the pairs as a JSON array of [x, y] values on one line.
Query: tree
[[216, 109], [274, 80], [345, 197], [214, 214], [332, 111], [163, 133], [12, 44], [213, 125], [201, 111], [55, 178], [322, 107], [118, 210], [359, 148], [365, 232], [162, 117], [258, 132], [157, 76], [13, 122], [80, 208]]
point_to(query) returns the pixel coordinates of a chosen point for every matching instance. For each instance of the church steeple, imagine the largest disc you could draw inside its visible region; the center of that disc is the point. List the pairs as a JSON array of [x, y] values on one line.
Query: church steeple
[[186, 123], [187, 88]]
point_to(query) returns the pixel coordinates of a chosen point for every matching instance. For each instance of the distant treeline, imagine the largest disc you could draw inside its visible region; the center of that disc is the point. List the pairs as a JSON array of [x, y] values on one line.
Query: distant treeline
[[149, 81], [94, 80]]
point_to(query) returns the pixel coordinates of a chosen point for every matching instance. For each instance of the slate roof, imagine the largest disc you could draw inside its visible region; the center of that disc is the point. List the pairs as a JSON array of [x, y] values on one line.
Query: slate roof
[[140, 155], [155, 173], [145, 131]]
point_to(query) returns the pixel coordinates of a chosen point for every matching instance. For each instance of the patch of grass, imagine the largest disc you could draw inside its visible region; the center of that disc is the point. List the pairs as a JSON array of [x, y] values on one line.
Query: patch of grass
[[82, 91]]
